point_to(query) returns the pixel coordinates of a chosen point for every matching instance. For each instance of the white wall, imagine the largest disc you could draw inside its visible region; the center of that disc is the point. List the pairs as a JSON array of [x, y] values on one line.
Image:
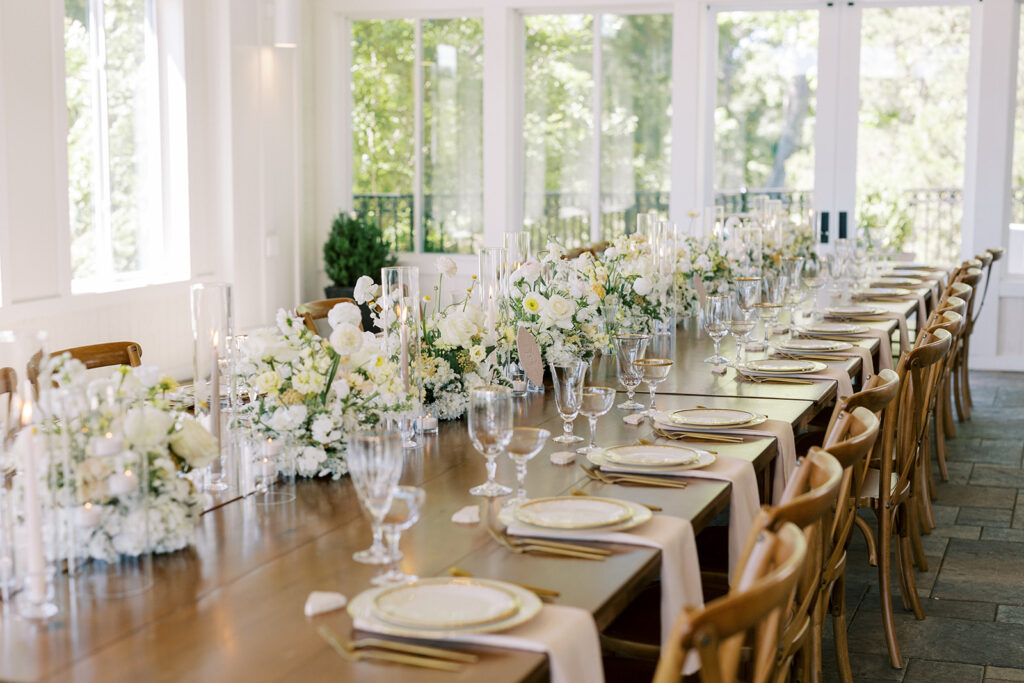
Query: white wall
[[244, 161]]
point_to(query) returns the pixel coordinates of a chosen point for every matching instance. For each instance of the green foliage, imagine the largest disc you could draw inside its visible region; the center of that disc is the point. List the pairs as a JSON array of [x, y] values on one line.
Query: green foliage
[[355, 247]]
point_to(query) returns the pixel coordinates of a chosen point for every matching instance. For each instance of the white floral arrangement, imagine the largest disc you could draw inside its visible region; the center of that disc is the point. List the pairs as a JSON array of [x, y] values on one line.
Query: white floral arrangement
[[458, 352], [311, 392], [558, 300], [130, 414], [701, 258], [636, 283]]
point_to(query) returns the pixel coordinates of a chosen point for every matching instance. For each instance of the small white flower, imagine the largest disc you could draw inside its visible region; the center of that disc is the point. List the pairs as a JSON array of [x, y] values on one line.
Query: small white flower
[[529, 271], [268, 382], [346, 339], [344, 312], [643, 286], [366, 291], [446, 266], [477, 353]]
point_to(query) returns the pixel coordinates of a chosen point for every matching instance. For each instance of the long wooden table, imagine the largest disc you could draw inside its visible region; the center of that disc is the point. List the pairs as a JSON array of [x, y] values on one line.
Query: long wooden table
[[231, 607]]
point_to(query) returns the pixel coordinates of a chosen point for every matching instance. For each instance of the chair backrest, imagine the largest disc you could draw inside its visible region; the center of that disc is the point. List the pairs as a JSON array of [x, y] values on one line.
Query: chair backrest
[[318, 310], [8, 380], [752, 608], [876, 396], [953, 303], [93, 356]]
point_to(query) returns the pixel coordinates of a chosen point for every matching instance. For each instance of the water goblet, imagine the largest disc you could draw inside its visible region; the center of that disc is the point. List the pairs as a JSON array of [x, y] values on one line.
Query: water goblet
[[813, 276], [525, 443], [629, 347], [490, 428], [406, 503], [740, 326], [748, 292], [567, 379], [595, 402], [375, 462], [405, 424], [655, 371], [792, 269], [714, 324]]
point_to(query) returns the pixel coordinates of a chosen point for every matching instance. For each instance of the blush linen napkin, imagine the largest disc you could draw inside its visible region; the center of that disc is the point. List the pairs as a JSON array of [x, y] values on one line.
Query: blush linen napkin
[[680, 570], [868, 363], [567, 634], [743, 504], [844, 389]]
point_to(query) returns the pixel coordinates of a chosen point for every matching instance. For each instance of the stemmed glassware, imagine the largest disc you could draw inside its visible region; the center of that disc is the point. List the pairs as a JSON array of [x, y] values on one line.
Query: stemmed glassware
[[595, 402], [813, 277], [629, 347], [406, 503], [655, 371], [740, 326], [715, 315], [525, 443], [773, 292], [567, 379], [490, 430], [792, 269], [405, 424], [375, 461]]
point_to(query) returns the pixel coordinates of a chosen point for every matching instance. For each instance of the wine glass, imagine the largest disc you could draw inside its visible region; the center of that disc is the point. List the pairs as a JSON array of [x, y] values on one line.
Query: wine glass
[[405, 424], [595, 402], [568, 381], [813, 276], [655, 371], [792, 268], [406, 503], [773, 292], [748, 292], [629, 347], [490, 428], [714, 324], [525, 443], [740, 326], [375, 462]]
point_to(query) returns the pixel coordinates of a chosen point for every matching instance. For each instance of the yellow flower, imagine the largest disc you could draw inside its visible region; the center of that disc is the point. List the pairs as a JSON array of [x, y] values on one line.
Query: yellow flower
[[167, 383], [531, 304], [599, 291], [291, 397]]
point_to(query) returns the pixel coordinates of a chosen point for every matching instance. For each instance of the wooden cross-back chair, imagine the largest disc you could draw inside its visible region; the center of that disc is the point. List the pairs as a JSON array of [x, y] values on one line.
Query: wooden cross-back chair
[[961, 380], [893, 487], [94, 356], [318, 310], [953, 321], [753, 609]]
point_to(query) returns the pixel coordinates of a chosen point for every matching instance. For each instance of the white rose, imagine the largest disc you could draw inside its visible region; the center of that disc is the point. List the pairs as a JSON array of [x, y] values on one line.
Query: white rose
[[559, 308], [529, 271], [346, 339], [345, 312], [366, 291], [268, 382], [446, 266], [147, 428], [194, 444], [457, 328], [642, 286]]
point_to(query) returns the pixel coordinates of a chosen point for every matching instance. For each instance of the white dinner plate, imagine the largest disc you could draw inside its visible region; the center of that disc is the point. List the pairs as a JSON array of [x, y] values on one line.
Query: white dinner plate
[[711, 417], [897, 282], [915, 273], [854, 310], [814, 345], [783, 366], [834, 328], [882, 291], [599, 458], [640, 515], [652, 455], [446, 603], [666, 421], [573, 512], [361, 607]]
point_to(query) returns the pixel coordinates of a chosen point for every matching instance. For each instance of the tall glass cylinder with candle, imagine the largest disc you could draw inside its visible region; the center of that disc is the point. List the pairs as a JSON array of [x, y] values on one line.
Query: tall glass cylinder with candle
[[751, 236], [491, 284], [517, 251], [645, 223], [665, 258], [212, 372], [400, 289]]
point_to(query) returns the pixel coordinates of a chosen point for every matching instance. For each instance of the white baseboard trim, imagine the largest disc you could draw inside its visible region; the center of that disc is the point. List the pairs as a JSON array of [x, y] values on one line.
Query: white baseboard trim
[[998, 363]]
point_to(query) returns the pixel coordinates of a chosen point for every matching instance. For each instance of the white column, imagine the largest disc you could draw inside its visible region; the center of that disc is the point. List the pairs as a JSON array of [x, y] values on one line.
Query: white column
[[502, 125], [692, 132], [988, 166]]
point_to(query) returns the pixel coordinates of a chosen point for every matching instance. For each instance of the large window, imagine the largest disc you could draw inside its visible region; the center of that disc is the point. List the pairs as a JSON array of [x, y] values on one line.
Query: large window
[[568, 194], [417, 162], [121, 235], [765, 108]]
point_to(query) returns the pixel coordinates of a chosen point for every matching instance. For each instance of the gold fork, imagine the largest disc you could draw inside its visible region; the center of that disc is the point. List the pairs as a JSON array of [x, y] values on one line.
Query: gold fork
[[353, 654], [676, 435], [550, 549], [773, 380], [577, 492], [635, 479]]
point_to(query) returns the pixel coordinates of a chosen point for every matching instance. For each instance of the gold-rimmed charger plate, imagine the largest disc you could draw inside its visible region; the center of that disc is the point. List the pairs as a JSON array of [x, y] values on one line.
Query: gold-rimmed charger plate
[[573, 512], [446, 603], [711, 417], [664, 420], [600, 459], [651, 455], [841, 311], [898, 282], [640, 515], [882, 291], [361, 609], [782, 366], [814, 345], [834, 328]]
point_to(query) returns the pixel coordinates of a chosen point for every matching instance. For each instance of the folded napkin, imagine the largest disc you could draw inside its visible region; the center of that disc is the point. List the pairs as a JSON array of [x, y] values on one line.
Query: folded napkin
[[680, 569], [842, 379], [567, 634], [634, 418], [743, 505], [319, 602], [853, 352]]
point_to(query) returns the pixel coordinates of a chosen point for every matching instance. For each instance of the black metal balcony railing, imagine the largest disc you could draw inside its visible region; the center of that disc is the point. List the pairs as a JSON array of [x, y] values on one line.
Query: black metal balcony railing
[[929, 218]]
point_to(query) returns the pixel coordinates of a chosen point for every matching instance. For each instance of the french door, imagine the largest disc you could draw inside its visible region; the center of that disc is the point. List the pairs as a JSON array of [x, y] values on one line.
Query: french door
[[857, 110]]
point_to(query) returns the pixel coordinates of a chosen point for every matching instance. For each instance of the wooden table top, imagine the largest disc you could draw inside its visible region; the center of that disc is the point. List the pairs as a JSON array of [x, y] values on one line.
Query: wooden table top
[[231, 607]]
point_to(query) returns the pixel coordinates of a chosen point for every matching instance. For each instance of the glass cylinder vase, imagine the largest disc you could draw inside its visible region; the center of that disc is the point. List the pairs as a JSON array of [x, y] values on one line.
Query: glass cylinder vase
[[400, 286], [212, 366]]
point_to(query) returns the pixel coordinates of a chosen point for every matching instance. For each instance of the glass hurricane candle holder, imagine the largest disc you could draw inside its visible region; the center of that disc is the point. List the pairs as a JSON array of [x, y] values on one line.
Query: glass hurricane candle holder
[[400, 290], [212, 374], [491, 285]]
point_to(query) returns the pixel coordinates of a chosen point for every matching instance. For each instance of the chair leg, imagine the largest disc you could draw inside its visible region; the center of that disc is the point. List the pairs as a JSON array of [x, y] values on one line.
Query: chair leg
[[926, 467], [839, 628], [940, 440], [908, 573], [869, 539], [958, 392], [885, 588], [965, 388], [968, 401], [947, 407], [913, 538]]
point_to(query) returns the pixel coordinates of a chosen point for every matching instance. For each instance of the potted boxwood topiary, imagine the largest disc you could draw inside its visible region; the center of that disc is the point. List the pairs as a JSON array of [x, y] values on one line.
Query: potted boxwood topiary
[[354, 248]]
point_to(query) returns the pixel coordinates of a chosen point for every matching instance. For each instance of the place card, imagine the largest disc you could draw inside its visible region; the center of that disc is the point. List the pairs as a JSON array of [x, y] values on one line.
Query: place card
[[530, 356]]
